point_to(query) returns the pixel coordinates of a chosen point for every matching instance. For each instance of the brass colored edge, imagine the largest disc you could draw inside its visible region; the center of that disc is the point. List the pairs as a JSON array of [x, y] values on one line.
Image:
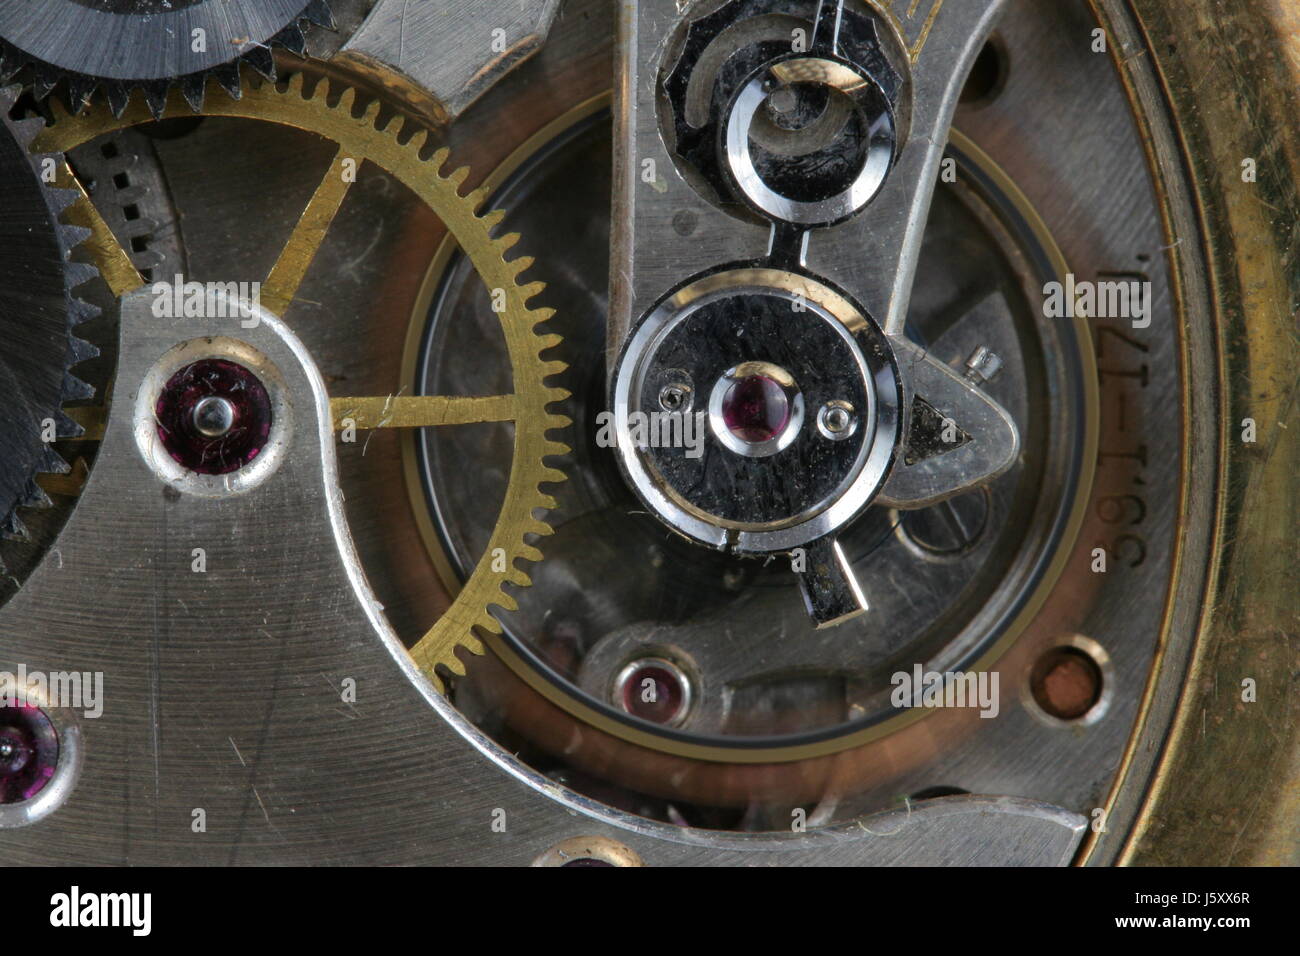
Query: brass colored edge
[[415, 335], [111, 259], [1226, 788], [420, 411], [1188, 293]]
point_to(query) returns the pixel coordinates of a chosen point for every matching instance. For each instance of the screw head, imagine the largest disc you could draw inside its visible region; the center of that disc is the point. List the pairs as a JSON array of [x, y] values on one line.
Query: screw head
[[654, 689], [214, 416], [837, 420], [675, 397], [983, 365]]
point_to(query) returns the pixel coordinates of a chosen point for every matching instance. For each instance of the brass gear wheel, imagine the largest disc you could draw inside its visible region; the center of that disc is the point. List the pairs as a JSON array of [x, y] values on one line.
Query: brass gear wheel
[[340, 115]]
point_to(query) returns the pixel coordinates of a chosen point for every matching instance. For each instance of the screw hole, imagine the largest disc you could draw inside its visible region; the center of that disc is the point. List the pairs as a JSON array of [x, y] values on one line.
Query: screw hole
[[989, 74], [1066, 683], [589, 851]]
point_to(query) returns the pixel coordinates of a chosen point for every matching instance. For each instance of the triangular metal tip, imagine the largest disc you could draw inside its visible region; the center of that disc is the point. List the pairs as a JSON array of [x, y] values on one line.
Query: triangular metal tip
[[155, 96], [228, 76], [260, 59], [118, 94], [292, 39], [193, 88], [319, 13]]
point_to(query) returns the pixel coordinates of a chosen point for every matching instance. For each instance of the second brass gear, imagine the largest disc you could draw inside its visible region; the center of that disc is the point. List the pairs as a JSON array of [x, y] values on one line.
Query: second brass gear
[[363, 134]]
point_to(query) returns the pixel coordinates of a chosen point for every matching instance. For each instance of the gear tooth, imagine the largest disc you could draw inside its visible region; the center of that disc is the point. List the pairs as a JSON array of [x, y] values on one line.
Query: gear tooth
[[548, 341], [348, 101], [34, 496], [554, 367], [457, 177], [118, 95], [505, 602], [155, 96], [45, 81], [439, 159], [540, 315], [81, 311], [529, 553], [79, 350], [453, 664], [74, 389], [72, 236], [79, 273], [319, 13], [193, 88], [419, 140], [52, 462], [292, 39], [532, 288], [228, 76], [65, 427], [59, 199], [295, 84], [13, 528], [507, 242], [80, 90], [478, 198], [261, 60], [149, 259], [539, 528], [370, 113], [493, 219]]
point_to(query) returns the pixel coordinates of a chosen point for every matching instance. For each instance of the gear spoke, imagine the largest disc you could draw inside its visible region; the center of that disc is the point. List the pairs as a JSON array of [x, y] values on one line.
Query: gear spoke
[[113, 260], [421, 411], [296, 257]]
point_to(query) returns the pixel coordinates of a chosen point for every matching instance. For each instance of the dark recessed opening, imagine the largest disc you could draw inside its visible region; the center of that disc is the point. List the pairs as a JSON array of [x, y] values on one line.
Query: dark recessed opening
[[929, 793], [988, 75], [1066, 683]]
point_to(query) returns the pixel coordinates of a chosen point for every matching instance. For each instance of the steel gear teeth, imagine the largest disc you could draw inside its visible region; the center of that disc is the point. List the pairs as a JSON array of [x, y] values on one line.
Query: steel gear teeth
[[404, 152], [257, 52], [24, 492]]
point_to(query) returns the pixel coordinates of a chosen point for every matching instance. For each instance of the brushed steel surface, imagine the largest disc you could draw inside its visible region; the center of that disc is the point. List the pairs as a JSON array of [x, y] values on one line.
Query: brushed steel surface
[[455, 50], [223, 689]]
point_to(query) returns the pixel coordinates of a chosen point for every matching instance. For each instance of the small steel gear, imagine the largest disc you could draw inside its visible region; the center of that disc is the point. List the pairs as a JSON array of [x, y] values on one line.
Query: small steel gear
[[123, 177], [400, 149], [118, 45], [37, 315]]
